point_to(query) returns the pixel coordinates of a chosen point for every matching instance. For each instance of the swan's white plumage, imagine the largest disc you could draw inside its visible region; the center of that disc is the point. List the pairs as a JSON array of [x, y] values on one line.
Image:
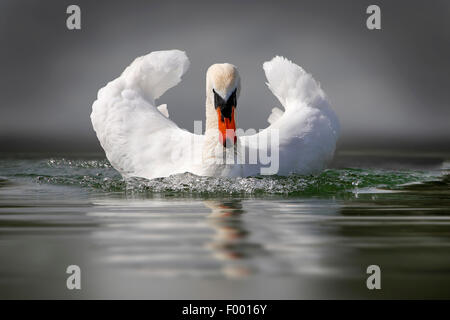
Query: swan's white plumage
[[163, 109], [308, 129], [275, 115], [140, 140]]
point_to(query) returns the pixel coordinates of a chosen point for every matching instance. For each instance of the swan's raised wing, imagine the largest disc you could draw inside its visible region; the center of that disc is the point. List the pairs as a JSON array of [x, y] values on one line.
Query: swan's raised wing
[[139, 139], [307, 130]]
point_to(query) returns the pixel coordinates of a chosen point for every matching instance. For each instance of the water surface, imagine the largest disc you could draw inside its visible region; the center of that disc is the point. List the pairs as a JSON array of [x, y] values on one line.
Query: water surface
[[195, 237]]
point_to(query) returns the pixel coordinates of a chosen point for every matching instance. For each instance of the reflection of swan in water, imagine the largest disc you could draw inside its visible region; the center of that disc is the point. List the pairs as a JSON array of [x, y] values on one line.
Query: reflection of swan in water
[[233, 238], [230, 244]]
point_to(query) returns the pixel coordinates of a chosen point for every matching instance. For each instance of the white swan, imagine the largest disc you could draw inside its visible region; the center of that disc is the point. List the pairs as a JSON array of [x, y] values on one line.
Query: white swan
[[140, 140]]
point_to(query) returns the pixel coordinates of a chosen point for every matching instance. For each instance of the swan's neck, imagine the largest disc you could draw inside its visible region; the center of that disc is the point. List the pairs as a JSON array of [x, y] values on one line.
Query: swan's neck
[[211, 125], [211, 144], [214, 155]]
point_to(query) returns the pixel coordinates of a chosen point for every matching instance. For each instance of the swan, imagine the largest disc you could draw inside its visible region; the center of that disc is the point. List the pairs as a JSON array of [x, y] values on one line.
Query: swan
[[140, 140]]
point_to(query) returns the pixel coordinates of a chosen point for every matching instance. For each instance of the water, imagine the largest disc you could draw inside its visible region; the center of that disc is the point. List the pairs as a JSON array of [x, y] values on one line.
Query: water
[[195, 237]]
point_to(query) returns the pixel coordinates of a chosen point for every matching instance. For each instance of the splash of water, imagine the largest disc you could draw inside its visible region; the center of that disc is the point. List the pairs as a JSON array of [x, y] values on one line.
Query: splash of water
[[100, 176]]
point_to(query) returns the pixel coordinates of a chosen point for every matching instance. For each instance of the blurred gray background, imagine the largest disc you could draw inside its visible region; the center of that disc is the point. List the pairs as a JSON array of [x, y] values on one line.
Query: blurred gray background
[[389, 87]]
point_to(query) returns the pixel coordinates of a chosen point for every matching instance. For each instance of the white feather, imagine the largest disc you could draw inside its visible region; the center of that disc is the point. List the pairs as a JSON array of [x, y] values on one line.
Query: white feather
[[163, 109], [137, 138], [275, 115], [308, 129]]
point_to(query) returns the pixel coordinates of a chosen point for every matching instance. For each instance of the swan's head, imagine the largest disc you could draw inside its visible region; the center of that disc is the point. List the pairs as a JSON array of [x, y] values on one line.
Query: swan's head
[[223, 86]]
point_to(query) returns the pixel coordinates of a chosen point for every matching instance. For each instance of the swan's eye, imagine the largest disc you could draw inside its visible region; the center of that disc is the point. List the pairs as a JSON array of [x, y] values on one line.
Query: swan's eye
[[226, 107], [232, 99], [218, 101]]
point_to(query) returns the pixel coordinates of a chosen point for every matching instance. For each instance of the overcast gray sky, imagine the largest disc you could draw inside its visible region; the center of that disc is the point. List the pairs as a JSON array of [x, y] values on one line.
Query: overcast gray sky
[[389, 87]]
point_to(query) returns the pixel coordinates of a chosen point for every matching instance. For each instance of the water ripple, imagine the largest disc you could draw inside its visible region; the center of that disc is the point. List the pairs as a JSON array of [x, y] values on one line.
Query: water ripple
[[98, 175]]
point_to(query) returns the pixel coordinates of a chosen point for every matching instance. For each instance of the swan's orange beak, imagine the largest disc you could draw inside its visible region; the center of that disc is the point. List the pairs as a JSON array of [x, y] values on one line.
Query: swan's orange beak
[[227, 128]]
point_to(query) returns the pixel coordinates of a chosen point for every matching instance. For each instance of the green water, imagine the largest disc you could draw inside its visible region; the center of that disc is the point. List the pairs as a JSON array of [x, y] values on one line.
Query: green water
[[195, 237]]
